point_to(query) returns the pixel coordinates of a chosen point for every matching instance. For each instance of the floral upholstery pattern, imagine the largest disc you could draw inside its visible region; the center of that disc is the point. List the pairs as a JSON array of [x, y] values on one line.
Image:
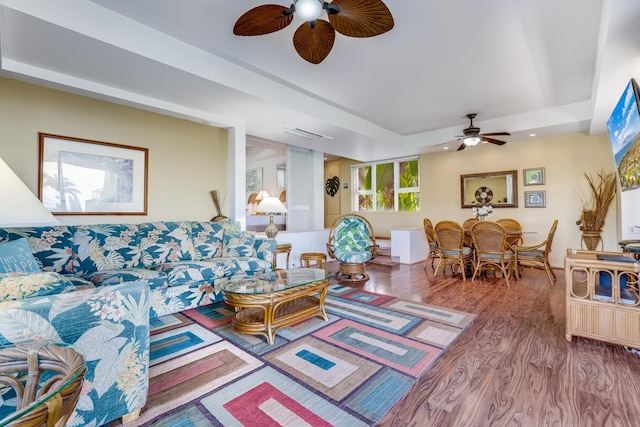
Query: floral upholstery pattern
[[207, 239], [106, 247], [351, 244], [152, 278], [110, 326], [21, 285], [238, 244], [174, 299], [111, 279], [52, 246], [166, 241]]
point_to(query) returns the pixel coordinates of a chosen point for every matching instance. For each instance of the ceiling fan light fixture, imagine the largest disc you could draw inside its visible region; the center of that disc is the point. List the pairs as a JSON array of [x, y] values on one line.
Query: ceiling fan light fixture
[[309, 10], [471, 141]]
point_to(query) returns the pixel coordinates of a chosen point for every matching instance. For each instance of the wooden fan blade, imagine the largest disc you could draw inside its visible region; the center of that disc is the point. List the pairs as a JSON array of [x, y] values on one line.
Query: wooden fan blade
[[314, 44], [462, 147], [493, 141], [361, 18], [495, 134], [262, 20]]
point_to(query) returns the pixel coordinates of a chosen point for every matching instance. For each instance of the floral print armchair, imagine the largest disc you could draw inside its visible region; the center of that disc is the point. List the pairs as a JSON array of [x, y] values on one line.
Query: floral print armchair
[[352, 242]]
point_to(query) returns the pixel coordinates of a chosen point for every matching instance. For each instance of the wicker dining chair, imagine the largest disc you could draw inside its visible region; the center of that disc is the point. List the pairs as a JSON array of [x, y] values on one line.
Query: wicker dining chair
[[353, 243], [466, 225], [453, 251], [513, 229], [492, 250], [434, 251], [537, 256]]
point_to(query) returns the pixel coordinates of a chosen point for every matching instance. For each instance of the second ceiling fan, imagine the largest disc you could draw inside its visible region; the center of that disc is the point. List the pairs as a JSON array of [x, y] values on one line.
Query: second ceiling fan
[[472, 135], [313, 40]]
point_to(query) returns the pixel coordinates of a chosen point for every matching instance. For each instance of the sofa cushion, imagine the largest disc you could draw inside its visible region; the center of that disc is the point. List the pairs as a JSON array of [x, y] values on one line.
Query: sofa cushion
[[244, 265], [182, 272], [21, 285], [207, 239], [152, 278], [238, 244], [106, 247], [52, 246], [16, 256], [165, 241]]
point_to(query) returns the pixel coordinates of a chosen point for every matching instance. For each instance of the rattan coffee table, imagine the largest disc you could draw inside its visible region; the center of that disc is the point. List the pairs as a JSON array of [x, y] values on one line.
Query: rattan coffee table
[[268, 302]]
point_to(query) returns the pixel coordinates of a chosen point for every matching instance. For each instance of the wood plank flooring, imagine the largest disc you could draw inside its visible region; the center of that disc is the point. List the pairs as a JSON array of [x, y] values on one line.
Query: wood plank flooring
[[512, 366]]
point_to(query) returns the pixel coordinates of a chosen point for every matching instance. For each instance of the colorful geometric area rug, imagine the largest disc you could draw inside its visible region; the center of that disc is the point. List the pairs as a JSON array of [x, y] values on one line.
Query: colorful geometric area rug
[[347, 371]]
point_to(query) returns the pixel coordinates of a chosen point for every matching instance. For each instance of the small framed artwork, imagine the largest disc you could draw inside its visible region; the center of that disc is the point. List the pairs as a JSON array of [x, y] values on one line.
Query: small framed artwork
[[83, 177], [533, 176], [254, 179], [535, 199]]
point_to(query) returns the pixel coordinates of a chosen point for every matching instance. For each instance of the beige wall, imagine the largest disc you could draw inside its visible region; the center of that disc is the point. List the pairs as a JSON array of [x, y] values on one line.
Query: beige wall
[[186, 160], [332, 204], [564, 158]]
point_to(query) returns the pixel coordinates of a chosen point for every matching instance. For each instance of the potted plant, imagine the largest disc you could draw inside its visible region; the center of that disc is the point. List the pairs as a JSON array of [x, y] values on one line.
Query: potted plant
[[602, 187]]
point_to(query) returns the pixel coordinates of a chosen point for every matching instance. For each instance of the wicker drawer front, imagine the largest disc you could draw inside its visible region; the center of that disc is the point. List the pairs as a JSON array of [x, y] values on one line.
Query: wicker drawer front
[[605, 322]]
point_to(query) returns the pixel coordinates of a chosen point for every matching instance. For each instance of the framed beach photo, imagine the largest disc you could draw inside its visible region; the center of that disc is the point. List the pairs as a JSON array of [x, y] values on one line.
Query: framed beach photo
[[533, 176], [83, 177], [535, 199]]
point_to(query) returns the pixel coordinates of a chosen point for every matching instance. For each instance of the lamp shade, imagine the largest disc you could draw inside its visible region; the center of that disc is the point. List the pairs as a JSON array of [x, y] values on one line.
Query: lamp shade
[[271, 205], [20, 207], [262, 194]]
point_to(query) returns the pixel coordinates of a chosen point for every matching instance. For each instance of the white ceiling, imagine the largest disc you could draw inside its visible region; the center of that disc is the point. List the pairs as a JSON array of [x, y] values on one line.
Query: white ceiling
[[525, 66]]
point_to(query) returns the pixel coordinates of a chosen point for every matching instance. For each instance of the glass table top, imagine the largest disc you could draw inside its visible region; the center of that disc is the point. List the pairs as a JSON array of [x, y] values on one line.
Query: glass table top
[[274, 281]]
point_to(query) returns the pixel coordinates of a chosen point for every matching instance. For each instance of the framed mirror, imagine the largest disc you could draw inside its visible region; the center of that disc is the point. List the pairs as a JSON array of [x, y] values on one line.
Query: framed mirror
[[498, 189]]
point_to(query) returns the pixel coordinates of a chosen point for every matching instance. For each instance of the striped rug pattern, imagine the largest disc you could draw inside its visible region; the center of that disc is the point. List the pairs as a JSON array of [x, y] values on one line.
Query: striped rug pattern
[[349, 370]]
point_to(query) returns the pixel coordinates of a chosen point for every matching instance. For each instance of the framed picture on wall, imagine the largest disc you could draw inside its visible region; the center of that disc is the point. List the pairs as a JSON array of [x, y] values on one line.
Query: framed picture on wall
[[254, 179], [83, 177], [533, 176], [535, 199]]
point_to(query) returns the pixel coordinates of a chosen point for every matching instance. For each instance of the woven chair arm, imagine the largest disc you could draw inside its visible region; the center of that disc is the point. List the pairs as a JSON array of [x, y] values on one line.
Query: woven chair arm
[[531, 248]]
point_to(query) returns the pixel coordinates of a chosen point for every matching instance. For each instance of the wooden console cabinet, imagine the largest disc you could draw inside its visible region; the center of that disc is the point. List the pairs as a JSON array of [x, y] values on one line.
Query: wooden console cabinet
[[602, 297]]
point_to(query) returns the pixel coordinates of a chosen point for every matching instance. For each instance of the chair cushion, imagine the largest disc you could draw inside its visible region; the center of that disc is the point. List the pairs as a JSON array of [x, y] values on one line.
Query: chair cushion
[[351, 235], [465, 251], [166, 241], [350, 257], [538, 253]]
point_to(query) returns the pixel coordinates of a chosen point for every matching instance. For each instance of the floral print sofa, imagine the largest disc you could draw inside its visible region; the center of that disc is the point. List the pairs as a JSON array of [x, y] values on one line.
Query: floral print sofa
[[98, 286]]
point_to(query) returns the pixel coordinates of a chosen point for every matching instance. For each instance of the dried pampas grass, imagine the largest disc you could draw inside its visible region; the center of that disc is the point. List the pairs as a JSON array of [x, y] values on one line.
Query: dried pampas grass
[[602, 186]]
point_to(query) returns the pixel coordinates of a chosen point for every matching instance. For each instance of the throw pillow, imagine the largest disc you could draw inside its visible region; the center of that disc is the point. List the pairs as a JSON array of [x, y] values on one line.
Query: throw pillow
[[21, 285], [16, 256], [238, 244]]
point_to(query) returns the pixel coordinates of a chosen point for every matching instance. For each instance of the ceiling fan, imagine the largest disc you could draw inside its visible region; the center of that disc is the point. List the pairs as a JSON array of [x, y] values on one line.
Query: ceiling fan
[[472, 135], [313, 40]]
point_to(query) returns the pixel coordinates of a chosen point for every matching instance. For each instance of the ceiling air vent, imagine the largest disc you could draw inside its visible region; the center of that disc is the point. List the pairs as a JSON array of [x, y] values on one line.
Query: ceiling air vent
[[303, 133]]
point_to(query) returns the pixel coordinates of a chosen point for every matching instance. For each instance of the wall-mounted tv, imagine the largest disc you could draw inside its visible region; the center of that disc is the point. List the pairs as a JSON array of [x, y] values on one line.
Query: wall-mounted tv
[[624, 134]]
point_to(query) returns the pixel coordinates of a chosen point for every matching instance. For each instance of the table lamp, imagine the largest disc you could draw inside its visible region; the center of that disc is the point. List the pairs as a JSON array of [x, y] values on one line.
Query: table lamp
[[20, 207], [271, 206], [262, 194]]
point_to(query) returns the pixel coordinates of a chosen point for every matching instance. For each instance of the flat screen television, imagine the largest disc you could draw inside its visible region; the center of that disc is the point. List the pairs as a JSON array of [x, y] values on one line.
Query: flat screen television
[[624, 134]]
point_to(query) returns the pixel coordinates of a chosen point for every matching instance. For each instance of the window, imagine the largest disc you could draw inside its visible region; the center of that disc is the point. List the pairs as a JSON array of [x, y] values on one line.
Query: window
[[388, 186]]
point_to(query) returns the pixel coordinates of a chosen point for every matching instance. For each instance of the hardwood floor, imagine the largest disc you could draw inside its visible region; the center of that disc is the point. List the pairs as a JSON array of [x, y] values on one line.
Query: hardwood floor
[[512, 366]]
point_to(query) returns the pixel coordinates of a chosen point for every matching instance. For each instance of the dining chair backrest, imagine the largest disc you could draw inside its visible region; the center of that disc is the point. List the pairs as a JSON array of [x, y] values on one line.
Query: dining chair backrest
[[489, 238], [429, 232], [549, 241], [510, 225], [449, 235], [469, 222]]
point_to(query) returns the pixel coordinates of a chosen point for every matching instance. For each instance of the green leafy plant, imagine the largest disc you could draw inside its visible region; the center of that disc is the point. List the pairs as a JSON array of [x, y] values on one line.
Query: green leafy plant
[[332, 185]]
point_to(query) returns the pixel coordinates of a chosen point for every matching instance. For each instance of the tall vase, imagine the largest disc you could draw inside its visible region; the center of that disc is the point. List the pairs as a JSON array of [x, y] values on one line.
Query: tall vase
[[591, 239]]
